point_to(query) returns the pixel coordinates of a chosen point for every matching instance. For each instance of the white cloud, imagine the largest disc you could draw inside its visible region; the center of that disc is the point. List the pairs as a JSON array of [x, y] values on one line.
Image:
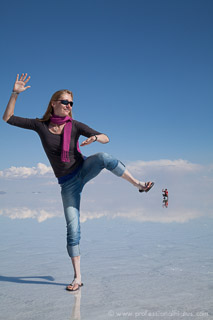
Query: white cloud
[[43, 169], [181, 215], [26, 213], [136, 167], [26, 172], [138, 214], [164, 164]]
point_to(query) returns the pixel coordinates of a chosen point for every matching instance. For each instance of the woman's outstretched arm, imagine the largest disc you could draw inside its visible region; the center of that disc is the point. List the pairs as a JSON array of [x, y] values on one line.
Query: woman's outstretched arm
[[18, 87]]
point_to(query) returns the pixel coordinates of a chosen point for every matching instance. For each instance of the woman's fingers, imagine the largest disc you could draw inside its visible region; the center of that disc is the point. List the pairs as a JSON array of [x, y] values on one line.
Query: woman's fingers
[[27, 79], [21, 78], [85, 142], [24, 77]]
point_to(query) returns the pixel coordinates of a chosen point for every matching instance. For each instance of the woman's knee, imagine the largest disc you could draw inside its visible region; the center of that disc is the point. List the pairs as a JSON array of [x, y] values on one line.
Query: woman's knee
[[109, 162], [102, 156], [113, 164]]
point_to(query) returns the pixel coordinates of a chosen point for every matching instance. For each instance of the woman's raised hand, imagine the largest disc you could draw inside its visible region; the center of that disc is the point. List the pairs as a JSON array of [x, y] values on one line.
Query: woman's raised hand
[[20, 84]]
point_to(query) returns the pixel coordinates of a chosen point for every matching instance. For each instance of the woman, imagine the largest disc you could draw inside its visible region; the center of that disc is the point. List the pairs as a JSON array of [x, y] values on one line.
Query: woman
[[59, 135]]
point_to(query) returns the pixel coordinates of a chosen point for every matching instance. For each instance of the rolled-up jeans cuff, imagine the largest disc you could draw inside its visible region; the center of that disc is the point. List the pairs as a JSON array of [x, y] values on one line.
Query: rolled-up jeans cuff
[[119, 169], [73, 251]]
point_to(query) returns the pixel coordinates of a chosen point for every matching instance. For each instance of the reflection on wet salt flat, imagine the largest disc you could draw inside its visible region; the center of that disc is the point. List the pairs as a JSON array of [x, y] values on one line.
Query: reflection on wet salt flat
[[76, 308], [131, 269], [112, 197], [140, 257], [128, 203]]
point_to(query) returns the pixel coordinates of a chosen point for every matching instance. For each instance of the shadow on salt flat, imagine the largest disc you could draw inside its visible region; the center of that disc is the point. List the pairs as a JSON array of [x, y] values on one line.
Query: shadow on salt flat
[[25, 280]]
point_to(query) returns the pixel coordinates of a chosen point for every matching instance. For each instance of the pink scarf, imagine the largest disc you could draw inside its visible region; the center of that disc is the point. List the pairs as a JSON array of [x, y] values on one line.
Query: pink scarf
[[66, 135]]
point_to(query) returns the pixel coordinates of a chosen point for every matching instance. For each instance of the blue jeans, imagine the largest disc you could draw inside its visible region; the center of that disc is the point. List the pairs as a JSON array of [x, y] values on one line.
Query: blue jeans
[[71, 194]]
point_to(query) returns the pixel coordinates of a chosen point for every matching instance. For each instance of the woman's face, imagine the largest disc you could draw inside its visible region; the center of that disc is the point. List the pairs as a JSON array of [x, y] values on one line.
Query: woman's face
[[61, 109]]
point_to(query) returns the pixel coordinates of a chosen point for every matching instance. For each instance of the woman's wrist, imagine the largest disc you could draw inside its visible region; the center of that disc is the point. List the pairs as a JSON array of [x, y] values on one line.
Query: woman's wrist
[[96, 138], [14, 95], [14, 92]]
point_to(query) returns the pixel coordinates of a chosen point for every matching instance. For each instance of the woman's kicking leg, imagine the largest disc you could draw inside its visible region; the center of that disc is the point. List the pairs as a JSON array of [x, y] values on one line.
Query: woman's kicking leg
[[142, 186], [95, 163]]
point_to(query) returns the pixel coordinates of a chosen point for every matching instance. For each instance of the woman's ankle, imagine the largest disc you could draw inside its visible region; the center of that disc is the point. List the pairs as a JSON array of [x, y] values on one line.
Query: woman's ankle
[[77, 277], [141, 185], [77, 280]]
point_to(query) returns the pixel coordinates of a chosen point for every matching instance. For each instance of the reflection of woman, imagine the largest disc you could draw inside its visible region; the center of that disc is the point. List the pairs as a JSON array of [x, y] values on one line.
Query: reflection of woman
[[59, 135], [165, 203]]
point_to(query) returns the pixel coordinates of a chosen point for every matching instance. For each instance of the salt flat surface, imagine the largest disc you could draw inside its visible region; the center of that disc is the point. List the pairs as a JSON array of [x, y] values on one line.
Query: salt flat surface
[[130, 270]]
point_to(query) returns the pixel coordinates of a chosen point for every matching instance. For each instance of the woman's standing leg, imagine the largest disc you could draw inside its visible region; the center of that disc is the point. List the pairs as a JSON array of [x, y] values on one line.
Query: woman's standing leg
[[76, 267], [71, 195]]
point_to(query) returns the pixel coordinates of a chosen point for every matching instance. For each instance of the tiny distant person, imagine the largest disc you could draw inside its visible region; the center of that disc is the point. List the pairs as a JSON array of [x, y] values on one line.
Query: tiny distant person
[[165, 198], [59, 134], [165, 193]]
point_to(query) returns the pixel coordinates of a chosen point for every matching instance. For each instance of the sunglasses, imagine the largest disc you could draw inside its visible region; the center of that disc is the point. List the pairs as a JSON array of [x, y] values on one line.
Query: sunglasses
[[66, 102]]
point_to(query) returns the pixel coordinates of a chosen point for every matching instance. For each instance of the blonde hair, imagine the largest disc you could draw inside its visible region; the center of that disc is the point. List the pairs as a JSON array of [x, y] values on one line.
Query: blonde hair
[[55, 96]]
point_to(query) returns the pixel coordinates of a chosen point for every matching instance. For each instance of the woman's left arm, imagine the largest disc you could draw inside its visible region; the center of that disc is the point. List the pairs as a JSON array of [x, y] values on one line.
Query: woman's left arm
[[102, 138]]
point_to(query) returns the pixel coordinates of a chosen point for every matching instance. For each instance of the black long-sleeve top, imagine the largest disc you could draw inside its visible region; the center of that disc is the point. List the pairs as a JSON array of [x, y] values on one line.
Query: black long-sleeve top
[[52, 143]]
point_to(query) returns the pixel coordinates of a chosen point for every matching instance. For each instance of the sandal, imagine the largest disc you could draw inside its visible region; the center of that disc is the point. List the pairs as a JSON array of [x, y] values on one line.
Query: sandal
[[148, 186], [71, 286]]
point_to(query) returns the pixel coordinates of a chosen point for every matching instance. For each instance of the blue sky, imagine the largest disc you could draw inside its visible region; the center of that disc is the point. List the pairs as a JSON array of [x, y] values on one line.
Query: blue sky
[[141, 72]]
